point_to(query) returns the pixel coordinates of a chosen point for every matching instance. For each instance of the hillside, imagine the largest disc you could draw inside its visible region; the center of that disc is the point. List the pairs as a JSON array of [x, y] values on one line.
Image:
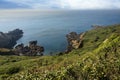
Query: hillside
[[98, 59]]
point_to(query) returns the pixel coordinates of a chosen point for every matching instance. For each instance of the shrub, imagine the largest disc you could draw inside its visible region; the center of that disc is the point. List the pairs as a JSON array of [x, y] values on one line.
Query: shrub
[[13, 70]]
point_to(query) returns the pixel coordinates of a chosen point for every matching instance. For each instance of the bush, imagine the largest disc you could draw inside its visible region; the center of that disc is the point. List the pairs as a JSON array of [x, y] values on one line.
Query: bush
[[13, 70]]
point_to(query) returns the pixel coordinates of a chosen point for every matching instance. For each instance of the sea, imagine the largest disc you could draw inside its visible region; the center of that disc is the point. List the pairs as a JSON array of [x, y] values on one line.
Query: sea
[[49, 27]]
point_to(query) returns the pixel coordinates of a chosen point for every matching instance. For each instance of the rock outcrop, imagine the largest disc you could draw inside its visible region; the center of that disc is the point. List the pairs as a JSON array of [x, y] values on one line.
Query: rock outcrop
[[75, 41], [8, 40], [97, 26], [31, 50]]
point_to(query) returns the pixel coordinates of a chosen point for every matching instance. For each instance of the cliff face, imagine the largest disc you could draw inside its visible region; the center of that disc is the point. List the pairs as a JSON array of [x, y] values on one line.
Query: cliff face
[[8, 40], [75, 41]]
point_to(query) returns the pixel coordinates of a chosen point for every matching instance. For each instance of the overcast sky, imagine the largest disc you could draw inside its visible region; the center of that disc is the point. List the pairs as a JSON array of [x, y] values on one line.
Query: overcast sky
[[60, 4]]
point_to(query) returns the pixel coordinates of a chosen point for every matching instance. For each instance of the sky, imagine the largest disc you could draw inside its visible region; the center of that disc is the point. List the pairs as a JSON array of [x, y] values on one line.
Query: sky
[[59, 4]]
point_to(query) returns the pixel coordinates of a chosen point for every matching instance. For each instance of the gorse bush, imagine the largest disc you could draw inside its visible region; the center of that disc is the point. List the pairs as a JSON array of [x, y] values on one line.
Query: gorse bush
[[110, 44], [13, 70]]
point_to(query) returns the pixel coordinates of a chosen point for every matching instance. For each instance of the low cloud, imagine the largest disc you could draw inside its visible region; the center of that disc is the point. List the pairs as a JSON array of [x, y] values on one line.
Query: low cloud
[[69, 4]]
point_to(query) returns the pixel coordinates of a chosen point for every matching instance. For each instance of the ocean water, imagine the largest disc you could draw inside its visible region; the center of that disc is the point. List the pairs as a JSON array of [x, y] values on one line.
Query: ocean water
[[49, 27]]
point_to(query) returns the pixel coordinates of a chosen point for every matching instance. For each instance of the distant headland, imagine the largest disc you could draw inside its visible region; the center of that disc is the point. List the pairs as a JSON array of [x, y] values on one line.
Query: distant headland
[[9, 40]]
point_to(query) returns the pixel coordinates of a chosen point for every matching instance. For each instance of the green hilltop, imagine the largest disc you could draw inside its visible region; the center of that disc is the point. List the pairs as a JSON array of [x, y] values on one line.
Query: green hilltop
[[98, 59]]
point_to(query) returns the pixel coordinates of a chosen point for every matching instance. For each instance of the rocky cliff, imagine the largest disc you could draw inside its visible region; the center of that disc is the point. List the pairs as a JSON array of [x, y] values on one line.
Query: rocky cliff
[[75, 41], [8, 40]]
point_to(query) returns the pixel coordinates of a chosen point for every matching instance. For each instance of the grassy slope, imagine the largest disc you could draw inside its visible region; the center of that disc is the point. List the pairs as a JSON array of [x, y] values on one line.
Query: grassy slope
[[98, 59]]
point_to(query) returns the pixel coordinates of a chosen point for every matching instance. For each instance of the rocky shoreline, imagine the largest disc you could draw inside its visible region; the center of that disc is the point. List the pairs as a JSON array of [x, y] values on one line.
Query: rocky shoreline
[[8, 41], [31, 50]]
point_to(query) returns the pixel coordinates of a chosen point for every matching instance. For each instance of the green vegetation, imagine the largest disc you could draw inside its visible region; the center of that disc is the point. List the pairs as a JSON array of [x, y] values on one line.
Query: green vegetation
[[98, 59]]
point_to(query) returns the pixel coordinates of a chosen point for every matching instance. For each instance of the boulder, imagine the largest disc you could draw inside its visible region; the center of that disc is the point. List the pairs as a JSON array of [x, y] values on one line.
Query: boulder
[[32, 44]]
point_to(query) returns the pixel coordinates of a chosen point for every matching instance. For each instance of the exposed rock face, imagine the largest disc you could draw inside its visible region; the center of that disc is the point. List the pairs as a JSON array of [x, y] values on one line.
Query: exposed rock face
[[75, 41], [32, 50], [8, 40]]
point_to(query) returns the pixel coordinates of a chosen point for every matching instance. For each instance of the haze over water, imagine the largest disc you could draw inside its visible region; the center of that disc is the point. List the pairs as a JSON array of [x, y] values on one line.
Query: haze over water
[[49, 28]]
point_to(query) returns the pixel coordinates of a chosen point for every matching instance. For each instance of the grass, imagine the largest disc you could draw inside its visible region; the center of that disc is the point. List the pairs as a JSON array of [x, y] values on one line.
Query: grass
[[4, 50], [99, 59]]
